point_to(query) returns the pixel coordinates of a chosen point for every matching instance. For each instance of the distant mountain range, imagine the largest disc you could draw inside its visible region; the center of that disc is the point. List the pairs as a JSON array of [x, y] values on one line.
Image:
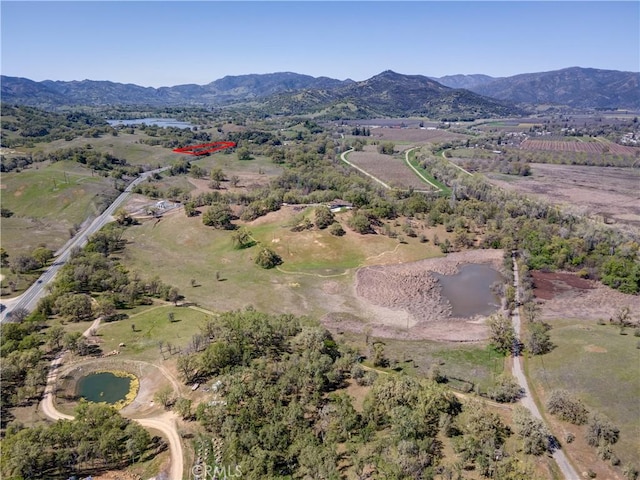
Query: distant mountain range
[[387, 94]]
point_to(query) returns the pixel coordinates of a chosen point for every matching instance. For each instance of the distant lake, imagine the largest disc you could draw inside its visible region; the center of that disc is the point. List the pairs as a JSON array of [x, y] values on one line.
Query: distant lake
[[160, 122]]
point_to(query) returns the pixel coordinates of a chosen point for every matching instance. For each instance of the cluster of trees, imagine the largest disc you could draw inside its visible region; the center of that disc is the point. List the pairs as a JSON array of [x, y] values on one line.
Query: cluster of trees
[[23, 364], [599, 433], [357, 131], [85, 155], [547, 238], [280, 408], [171, 137], [97, 438], [93, 270], [24, 126]]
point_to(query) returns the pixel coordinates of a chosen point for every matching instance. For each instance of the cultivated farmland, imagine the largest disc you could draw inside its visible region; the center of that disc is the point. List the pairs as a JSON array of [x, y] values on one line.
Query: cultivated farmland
[[416, 135], [572, 146], [391, 170]]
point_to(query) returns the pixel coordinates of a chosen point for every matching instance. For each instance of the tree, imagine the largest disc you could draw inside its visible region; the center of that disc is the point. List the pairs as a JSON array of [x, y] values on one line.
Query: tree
[[123, 217], [218, 215], [532, 431], [244, 153], [54, 337], [361, 223], [336, 229], [173, 295], [42, 255], [218, 175], [324, 217], [183, 407], [241, 238], [164, 397], [601, 431], [187, 366], [267, 258], [386, 148], [507, 390], [566, 407], [503, 335], [379, 358], [538, 341], [75, 306], [24, 264]]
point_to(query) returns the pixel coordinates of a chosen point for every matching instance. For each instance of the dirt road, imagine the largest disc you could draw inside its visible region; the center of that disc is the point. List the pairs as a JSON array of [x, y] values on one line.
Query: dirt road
[[566, 468], [165, 423]]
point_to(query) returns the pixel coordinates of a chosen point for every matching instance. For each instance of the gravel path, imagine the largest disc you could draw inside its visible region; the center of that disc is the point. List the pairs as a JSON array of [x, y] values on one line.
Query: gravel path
[[566, 468]]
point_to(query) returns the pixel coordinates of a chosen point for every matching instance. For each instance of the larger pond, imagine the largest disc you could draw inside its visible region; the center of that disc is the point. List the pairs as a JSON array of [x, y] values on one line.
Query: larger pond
[[103, 387], [469, 290], [159, 122]]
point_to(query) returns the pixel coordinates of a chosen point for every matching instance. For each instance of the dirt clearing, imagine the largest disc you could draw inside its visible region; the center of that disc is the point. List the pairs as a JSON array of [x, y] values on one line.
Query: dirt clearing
[[565, 295]]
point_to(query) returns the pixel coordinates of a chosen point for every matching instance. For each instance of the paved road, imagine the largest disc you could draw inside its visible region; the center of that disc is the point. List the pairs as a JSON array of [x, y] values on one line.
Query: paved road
[[527, 401], [29, 299]]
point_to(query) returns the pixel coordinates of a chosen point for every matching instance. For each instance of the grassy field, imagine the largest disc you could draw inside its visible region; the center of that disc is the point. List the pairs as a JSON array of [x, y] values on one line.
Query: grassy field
[[475, 363], [180, 249], [123, 146], [149, 327], [412, 160], [47, 201], [600, 366]]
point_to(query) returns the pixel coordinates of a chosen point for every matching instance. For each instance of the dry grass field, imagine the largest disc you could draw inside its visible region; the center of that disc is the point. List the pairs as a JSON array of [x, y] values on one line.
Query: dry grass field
[[415, 135], [390, 169], [607, 194]]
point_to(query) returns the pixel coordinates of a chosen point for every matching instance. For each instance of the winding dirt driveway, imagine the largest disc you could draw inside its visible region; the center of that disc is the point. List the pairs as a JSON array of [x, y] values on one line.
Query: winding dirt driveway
[[165, 423]]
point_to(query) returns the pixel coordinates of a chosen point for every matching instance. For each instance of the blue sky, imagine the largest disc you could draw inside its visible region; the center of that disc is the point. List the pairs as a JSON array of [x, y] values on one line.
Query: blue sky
[[169, 43]]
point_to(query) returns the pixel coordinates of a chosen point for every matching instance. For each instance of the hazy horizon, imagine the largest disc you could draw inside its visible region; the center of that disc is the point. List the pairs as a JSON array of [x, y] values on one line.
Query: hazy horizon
[[176, 43]]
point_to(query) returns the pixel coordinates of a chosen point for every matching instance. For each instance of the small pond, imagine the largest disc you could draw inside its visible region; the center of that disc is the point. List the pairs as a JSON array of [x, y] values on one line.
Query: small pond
[[469, 290], [103, 387], [160, 122]]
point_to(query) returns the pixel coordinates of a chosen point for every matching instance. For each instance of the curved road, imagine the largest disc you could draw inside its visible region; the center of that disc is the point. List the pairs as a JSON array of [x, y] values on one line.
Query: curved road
[[29, 299], [527, 401], [165, 423]]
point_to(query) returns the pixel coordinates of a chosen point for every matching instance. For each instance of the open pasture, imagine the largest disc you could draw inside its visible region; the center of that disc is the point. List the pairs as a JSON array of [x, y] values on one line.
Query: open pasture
[[599, 366], [390, 169], [316, 275], [125, 146], [47, 200], [604, 193]]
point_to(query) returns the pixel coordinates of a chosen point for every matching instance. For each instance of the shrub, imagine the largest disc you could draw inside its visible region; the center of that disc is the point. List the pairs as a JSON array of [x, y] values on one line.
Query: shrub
[[506, 391], [601, 432], [336, 229], [564, 406], [267, 258]]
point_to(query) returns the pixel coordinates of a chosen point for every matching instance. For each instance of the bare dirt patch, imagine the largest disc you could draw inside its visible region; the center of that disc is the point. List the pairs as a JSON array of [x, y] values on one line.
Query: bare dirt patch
[[404, 300], [565, 295], [595, 349], [549, 285]]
